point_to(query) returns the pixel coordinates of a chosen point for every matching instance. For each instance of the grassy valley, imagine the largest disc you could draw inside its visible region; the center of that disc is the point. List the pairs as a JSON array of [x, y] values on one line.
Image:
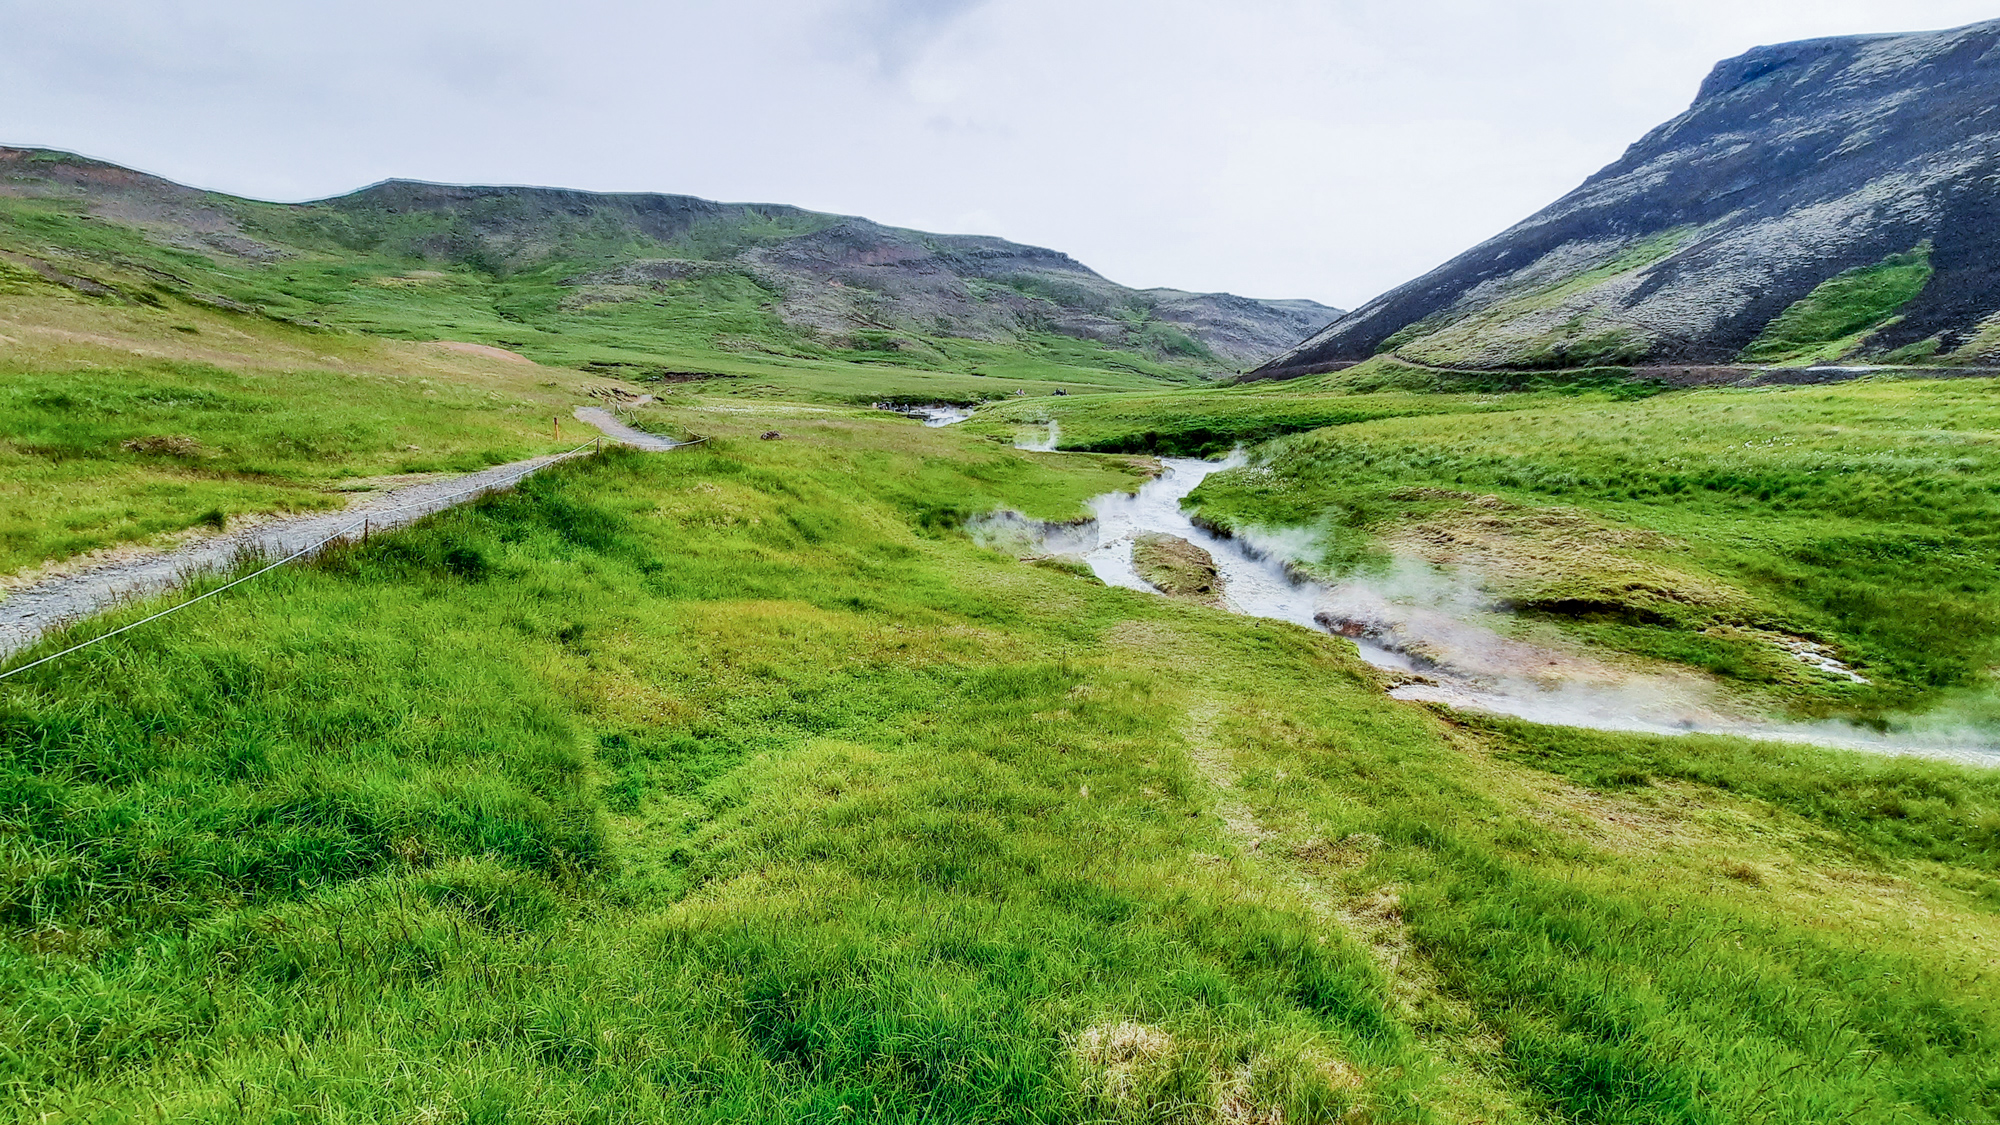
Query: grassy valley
[[734, 784], [643, 287], [741, 783]]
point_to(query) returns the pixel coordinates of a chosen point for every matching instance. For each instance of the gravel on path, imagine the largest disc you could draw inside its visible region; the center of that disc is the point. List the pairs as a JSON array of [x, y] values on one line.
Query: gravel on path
[[29, 613], [620, 432]]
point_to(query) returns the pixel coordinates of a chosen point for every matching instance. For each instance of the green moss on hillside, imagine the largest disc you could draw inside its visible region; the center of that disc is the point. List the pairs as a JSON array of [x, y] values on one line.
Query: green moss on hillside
[[1836, 317]]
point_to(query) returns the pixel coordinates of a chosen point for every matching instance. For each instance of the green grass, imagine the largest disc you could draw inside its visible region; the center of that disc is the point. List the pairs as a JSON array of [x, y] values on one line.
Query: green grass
[[97, 457], [1838, 315], [739, 784], [268, 384], [736, 785], [123, 420], [120, 424], [1209, 421], [718, 326]]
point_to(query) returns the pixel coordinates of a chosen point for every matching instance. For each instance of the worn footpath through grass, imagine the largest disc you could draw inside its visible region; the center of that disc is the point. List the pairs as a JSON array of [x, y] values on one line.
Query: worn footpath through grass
[[737, 784]]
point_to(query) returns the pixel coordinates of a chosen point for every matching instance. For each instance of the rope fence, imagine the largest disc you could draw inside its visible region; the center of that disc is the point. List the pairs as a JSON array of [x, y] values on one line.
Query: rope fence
[[433, 504]]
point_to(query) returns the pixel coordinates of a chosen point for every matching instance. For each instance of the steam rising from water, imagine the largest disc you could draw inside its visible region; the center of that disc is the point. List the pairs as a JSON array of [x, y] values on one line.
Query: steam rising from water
[[939, 414], [1045, 444], [1428, 625]]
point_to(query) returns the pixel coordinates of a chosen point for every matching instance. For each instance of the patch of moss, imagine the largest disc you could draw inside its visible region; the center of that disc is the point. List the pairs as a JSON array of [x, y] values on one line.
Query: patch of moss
[[1917, 352], [1838, 315], [1550, 320]]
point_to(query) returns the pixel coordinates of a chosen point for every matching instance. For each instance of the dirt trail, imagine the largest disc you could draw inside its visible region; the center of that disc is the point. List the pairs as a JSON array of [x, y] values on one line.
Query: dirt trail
[[30, 612], [620, 432]]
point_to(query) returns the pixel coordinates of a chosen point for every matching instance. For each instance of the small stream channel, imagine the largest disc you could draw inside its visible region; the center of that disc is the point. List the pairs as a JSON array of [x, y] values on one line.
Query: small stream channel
[[1435, 632]]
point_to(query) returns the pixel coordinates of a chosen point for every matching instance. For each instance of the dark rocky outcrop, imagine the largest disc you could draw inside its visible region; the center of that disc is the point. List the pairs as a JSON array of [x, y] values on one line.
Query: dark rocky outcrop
[[1795, 164]]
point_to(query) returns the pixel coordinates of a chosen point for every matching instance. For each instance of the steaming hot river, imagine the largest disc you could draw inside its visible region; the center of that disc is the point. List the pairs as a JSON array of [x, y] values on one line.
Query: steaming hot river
[[1429, 629]]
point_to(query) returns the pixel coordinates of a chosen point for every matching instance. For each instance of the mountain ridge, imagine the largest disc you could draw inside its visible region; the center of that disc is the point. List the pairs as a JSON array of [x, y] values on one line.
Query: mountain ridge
[[829, 275], [1795, 164]]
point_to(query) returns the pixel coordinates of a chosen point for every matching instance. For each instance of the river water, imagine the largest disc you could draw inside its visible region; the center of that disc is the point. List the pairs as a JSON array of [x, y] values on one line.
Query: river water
[[934, 414], [1437, 632]]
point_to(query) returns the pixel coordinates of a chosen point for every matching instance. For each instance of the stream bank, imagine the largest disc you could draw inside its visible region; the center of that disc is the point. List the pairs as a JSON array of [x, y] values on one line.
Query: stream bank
[[1433, 633]]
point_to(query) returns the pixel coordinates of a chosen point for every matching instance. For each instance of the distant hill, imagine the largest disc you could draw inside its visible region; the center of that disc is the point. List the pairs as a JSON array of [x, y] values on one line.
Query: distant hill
[[1830, 200], [835, 281]]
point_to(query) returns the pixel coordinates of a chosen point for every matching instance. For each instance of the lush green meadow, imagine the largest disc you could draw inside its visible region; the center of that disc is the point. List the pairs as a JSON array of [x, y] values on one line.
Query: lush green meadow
[[146, 389], [123, 423], [1707, 528], [1209, 422], [737, 784]]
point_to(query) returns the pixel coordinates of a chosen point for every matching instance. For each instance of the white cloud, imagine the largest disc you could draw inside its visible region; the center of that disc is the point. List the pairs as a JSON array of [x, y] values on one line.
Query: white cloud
[[1273, 147]]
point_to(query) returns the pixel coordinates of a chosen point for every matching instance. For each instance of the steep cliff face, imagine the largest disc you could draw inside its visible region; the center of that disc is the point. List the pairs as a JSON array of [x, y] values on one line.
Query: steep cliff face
[[1824, 200], [828, 273]]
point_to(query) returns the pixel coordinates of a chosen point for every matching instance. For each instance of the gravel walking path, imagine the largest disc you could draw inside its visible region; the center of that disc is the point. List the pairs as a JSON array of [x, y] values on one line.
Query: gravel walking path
[[624, 434], [29, 613]]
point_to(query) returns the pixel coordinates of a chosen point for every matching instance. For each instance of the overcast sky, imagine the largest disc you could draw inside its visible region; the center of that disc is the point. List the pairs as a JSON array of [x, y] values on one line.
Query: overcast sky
[[1275, 148]]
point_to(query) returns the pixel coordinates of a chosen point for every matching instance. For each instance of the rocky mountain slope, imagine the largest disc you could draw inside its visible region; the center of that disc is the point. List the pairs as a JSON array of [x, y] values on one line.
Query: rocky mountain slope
[[1821, 201], [829, 276]]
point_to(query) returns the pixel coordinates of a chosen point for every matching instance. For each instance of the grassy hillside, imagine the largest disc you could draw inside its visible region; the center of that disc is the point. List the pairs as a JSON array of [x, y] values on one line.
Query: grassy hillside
[[720, 325], [734, 785], [1809, 207], [639, 285], [1834, 319]]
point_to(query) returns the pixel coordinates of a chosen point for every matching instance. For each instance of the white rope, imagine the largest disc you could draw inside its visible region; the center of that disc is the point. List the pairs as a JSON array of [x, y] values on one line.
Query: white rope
[[363, 522]]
